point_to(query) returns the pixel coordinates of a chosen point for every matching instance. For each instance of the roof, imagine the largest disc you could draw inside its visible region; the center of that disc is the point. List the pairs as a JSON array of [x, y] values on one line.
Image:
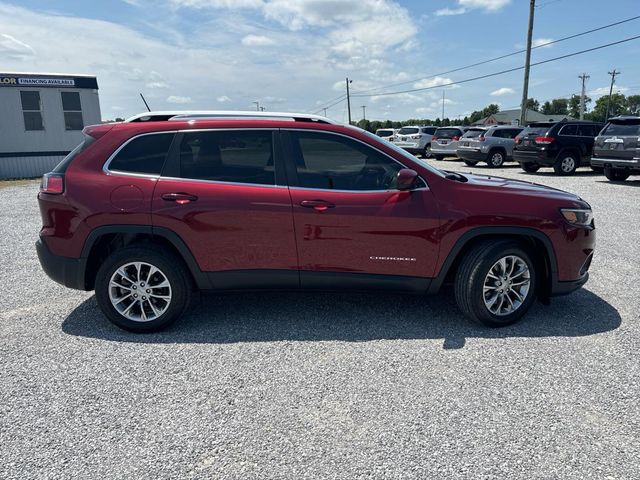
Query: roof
[[47, 74], [190, 115], [507, 117]]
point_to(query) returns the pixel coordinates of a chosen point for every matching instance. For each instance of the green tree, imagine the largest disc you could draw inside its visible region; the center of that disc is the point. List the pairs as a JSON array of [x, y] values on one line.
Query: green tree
[[557, 106], [574, 105], [533, 104], [633, 105], [618, 107]]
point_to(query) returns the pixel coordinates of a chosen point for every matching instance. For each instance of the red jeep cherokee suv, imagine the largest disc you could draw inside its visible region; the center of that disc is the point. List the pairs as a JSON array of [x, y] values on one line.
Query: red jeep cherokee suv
[[146, 211]]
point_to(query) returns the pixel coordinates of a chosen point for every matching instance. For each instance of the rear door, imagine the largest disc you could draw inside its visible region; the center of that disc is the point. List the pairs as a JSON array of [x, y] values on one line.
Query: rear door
[[620, 139], [350, 219], [224, 193]]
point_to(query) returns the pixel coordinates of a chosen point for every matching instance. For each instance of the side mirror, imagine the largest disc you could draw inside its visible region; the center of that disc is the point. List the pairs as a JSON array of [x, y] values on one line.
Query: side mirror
[[406, 179]]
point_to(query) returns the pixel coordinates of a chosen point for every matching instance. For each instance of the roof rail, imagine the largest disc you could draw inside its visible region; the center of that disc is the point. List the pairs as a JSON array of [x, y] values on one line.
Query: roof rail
[[162, 116]]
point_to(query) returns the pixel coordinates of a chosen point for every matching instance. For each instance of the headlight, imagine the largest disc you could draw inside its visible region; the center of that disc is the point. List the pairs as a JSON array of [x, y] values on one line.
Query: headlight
[[580, 217]]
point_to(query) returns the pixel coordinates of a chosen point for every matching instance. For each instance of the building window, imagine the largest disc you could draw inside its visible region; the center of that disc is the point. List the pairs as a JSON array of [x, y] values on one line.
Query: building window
[[72, 111], [31, 111]]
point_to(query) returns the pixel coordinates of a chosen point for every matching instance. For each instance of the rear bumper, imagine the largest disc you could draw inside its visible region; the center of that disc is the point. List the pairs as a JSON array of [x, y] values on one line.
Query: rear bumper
[[537, 157], [64, 270], [411, 149], [617, 163], [440, 150], [473, 155]]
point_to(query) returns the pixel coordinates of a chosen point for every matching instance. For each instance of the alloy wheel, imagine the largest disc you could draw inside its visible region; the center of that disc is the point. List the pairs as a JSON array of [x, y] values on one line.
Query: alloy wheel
[[506, 285]]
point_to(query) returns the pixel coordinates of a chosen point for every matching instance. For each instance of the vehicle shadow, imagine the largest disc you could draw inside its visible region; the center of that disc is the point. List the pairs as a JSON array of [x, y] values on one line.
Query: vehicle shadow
[[626, 183], [269, 317]]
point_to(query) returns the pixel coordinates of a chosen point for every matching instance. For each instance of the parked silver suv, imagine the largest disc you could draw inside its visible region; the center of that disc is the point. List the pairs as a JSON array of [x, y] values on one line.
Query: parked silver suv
[[386, 133], [493, 145], [445, 141], [617, 148], [415, 139]]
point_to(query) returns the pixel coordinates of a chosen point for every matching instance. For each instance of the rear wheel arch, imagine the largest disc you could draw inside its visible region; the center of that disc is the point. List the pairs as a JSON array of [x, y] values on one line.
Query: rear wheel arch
[[103, 241], [535, 242]]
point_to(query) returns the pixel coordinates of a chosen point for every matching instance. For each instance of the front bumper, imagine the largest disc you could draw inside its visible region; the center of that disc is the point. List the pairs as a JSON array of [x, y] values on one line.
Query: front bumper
[[565, 288], [64, 270], [617, 163]]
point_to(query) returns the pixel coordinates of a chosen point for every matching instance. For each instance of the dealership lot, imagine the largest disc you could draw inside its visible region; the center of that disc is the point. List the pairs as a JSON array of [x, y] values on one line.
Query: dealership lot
[[325, 385]]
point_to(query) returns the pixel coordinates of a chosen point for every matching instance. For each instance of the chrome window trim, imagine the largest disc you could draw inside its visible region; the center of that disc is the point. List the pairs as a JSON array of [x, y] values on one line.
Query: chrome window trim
[[216, 182], [105, 167], [359, 191]]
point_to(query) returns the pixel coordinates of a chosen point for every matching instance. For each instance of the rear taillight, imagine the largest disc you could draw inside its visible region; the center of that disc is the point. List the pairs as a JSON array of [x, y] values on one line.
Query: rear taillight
[[481, 139], [434, 138], [52, 183], [415, 136], [544, 140], [518, 140], [455, 138]]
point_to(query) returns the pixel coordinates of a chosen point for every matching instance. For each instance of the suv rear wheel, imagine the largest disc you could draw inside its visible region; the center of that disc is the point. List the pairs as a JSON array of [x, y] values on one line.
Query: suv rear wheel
[[566, 164], [616, 175], [427, 151], [495, 159], [142, 288], [495, 283]]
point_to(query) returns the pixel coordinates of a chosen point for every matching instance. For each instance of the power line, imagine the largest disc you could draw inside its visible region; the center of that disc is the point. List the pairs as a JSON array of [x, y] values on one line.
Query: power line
[[483, 62], [322, 105], [332, 105], [495, 74]]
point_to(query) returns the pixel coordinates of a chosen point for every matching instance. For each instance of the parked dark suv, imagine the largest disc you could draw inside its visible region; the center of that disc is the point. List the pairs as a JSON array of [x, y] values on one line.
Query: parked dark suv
[[617, 148], [565, 146], [149, 210]]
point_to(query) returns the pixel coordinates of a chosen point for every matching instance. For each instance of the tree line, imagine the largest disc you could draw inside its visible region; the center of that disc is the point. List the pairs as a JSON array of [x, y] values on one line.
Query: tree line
[[620, 105]]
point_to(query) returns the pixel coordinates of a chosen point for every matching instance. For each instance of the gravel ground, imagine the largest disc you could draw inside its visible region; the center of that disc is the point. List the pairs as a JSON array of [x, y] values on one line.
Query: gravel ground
[[325, 386]]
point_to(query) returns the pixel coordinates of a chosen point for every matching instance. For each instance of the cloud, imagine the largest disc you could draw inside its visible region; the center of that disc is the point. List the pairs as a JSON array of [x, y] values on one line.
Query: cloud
[[257, 41], [445, 12], [230, 4], [223, 99], [423, 110], [502, 91], [178, 99], [600, 91], [434, 82], [13, 48], [157, 85], [539, 42]]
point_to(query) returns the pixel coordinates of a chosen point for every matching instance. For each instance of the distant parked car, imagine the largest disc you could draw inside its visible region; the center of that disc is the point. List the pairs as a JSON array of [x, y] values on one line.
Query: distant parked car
[[445, 141], [386, 133], [564, 145], [617, 148], [493, 145], [415, 139]]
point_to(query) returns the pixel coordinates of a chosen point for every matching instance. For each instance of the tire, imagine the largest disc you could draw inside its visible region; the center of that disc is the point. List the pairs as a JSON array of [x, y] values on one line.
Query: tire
[[438, 157], [566, 164], [495, 159], [473, 275], [530, 167], [157, 312], [597, 169], [427, 151], [470, 163], [616, 175]]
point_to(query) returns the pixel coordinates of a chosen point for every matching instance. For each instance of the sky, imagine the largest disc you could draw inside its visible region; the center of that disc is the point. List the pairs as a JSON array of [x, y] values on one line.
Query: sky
[[294, 55]]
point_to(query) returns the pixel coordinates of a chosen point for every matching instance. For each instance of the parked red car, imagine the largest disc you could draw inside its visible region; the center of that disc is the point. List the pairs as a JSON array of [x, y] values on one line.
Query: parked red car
[[149, 210]]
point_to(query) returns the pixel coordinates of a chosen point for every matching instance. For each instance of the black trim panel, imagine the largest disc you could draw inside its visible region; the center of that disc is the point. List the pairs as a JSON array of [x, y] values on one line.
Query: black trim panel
[[254, 279], [332, 281], [35, 154]]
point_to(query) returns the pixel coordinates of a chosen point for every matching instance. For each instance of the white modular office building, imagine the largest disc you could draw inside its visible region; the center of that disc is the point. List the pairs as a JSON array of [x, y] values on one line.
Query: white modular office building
[[41, 119]]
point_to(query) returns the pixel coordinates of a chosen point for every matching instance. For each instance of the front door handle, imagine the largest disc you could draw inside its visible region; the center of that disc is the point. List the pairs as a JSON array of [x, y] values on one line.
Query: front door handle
[[179, 198], [317, 205]]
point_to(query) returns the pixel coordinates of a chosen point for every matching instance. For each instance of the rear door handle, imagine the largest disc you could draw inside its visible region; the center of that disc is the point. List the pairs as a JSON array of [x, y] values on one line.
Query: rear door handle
[[179, 198], [317, 205]]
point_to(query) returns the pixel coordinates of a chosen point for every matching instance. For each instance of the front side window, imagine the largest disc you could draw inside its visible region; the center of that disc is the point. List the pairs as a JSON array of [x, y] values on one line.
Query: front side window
[[333, 162], [227, 156], [145, 154], [72, 111], [31, 110]]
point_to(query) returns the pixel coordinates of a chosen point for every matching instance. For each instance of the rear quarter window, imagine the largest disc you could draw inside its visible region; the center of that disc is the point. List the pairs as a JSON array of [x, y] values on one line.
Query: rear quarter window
[[144, 154]]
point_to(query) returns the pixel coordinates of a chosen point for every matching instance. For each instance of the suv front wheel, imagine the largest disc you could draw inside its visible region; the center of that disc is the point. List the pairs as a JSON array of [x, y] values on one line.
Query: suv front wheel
[[142, 288], [495, 283]]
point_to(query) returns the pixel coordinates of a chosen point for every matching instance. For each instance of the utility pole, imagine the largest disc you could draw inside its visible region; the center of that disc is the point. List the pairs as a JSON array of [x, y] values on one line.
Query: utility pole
[[257, 106], [527, 65], [262, 109], [349, 100], [364, 108], [613, 79], [443, 105], [584, 78], [325, 111]]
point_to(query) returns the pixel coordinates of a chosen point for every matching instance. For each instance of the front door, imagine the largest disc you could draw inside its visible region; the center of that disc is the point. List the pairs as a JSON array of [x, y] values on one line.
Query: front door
[[220, 194], [351, 225]]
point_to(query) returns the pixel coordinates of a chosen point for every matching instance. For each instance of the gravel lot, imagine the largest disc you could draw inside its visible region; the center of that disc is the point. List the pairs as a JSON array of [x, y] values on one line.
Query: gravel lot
[[325, 386]]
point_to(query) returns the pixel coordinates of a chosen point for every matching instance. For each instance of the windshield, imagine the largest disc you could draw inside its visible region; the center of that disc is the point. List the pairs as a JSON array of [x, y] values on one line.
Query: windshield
[[401, 151], [408, 130], [474, 132], [384, 133], [629, 128]]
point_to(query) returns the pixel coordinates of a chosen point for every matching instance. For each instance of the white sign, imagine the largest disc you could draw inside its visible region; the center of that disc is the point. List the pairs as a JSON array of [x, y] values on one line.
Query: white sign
[[48, 82]]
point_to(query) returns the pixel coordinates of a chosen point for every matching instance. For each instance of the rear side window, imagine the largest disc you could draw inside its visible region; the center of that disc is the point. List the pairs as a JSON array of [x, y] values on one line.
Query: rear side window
[[144, 154], [568, 130], [627, 129], [429, 130], [226, 156]]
